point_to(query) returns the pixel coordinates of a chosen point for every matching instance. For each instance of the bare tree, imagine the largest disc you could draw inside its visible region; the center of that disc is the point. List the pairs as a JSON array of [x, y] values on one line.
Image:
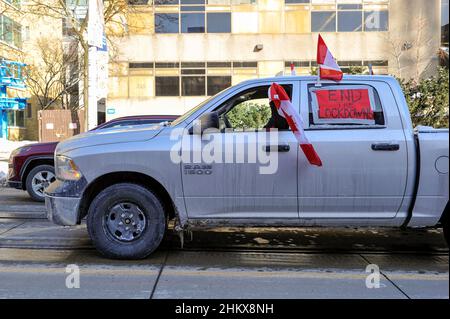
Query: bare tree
[[74, 15], [399, 47], [51, 80]]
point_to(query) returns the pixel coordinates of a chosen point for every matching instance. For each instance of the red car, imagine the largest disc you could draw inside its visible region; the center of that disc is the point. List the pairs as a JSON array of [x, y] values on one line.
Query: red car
[[31, 167]]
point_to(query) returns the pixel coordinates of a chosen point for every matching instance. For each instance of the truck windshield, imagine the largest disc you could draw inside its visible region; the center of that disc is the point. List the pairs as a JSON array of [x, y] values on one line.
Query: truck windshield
[[196, 108]]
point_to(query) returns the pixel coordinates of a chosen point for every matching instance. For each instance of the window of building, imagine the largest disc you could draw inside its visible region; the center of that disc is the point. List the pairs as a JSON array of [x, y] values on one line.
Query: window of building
[[349, 21], [167, 86], [217, 84], [16, 118], [29, 111], [193, 85], [376, 21], [323, 21], [165, 2], [139, 2], [193, 22], [219, 22], [166, 23]]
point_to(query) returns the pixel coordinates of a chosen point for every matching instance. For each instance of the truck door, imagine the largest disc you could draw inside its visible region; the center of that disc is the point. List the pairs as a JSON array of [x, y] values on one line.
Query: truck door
[[356, 129], [239, 186]]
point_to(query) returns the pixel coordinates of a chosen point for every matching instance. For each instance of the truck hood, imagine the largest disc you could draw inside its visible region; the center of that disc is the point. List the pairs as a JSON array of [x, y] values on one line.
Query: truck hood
[[110, 136]]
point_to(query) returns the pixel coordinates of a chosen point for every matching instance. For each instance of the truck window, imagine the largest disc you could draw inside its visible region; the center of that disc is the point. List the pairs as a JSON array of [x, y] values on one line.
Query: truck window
[[347, 104], [251, 110]]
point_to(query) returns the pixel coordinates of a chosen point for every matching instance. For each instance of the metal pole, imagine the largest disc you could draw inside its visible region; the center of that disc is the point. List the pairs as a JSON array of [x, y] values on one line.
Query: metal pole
[[91, 111]]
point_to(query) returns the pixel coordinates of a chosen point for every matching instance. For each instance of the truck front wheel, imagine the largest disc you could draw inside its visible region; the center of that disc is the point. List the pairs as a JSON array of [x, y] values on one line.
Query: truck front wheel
[[126, 221]]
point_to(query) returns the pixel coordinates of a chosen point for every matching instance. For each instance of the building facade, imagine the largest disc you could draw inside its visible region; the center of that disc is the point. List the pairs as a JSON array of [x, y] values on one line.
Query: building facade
[[177, 52], [11, 49]]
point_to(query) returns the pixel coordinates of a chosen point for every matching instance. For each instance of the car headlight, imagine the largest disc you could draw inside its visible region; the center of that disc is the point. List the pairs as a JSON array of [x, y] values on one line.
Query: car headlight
[[66, 169]]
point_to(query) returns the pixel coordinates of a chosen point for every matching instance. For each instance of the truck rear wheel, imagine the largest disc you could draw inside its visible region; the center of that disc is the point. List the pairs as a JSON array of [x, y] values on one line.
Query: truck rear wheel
[[126, 221]]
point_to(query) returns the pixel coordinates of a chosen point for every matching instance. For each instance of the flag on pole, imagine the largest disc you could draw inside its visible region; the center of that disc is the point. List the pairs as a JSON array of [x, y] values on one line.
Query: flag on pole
[[329, 69], [293, 69], [285, 108]]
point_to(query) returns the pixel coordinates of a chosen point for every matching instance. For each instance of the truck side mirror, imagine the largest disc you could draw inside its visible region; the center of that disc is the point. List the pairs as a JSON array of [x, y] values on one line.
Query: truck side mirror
[[206, 121]]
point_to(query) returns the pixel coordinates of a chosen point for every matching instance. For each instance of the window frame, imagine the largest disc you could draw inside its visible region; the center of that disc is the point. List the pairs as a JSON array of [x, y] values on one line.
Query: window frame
[[225, 105]]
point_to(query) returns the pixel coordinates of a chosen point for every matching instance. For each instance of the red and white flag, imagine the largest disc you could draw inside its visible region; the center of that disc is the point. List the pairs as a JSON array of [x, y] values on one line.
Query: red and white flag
[[285, 108], [293, 69], [329, 69]]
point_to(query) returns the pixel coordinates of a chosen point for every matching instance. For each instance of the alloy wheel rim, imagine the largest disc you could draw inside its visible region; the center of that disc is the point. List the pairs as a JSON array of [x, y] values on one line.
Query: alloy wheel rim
[[42, 180]]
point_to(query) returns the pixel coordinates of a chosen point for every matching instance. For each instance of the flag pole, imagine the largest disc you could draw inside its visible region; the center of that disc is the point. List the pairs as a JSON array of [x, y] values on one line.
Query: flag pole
[[318, 83]]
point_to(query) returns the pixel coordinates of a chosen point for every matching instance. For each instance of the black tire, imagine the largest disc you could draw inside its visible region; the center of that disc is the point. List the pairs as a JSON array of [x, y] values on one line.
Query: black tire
[[31, 185], [125, 198]]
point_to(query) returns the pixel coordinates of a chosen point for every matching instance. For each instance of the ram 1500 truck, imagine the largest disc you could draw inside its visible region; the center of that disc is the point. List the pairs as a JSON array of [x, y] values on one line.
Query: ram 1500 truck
[[377, 169]]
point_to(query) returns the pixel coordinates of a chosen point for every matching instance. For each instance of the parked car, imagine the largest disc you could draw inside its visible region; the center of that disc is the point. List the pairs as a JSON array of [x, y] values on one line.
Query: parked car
[[31, 167], [377, 169]]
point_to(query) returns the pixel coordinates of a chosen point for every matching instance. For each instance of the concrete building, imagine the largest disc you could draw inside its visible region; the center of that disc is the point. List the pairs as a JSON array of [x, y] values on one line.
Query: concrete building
[[13, 119], [177, 52]]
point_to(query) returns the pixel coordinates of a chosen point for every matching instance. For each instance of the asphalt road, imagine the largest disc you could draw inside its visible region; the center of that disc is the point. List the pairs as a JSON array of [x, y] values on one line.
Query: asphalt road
[[219, 263]]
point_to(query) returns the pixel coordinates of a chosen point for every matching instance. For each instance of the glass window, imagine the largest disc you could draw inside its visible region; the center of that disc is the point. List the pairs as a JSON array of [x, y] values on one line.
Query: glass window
[[349, 21], [165, 2], [166, 22], [29, 110], [345, 105], [192, 1], [138, 2], [167, 86], [323, 21], [376, 21], [251, 109], [217, 84], [16, 118], [193, 86], [219, 22], [192, 22]]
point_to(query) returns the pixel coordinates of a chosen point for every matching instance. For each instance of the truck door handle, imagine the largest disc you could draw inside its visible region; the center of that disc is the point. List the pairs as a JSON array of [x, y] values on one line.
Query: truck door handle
[[385, 147], [277, 148]]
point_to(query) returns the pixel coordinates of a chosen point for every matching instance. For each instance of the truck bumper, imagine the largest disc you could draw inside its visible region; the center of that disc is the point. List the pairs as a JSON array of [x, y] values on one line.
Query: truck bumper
[[62, 210], [62, 201]]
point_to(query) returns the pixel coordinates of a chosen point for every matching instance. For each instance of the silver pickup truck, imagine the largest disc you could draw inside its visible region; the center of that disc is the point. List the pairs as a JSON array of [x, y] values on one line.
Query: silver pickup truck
[[232, 160]]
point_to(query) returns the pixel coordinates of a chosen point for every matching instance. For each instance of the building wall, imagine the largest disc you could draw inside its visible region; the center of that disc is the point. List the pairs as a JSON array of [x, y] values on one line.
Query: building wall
[[284, 30], [11, 49], [37, 28]]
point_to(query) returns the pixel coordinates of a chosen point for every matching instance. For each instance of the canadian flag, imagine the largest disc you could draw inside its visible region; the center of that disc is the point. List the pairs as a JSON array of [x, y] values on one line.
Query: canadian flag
[[285, 108], [329, 69]]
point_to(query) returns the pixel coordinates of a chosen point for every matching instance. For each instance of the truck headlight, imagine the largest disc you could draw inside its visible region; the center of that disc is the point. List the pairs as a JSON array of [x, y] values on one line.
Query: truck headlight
[[66, 169]]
